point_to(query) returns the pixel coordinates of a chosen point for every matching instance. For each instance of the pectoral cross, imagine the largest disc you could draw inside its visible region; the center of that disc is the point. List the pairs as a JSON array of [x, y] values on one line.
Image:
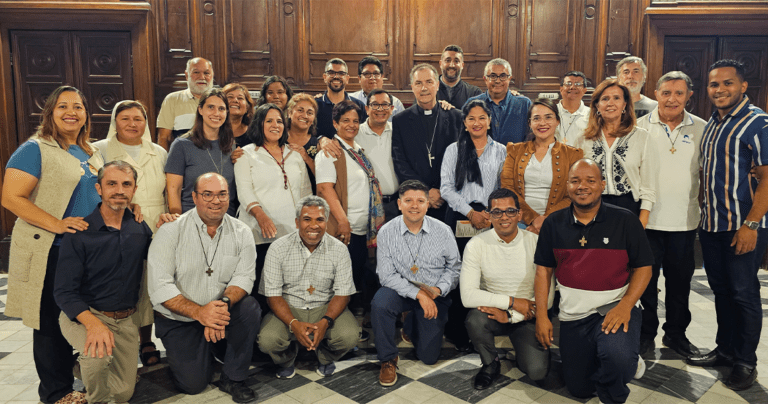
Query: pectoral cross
[[209, 271], [414, 269], [673, 150], [431, 157], [311, 289], [582, 241]]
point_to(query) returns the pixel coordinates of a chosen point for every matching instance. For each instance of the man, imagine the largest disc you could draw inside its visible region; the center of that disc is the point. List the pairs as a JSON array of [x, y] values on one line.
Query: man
[[97, 288], [497, 276], [631, 72], [452, 88], [602, 262], [336, 78], [672, 224], [369, 72], [734, 232], [201, 269], [418, 265], [177, 114], [509, 112], [375, 137], [574, 115], [308, 281], [420, 135]]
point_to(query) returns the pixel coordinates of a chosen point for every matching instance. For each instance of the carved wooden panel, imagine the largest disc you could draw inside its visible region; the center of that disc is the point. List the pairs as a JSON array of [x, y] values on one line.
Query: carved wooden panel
[[753, 52], [512, 20], [175, 29], [619, 39], [248, 31], [692, 56], [588, 47], [548, 39]]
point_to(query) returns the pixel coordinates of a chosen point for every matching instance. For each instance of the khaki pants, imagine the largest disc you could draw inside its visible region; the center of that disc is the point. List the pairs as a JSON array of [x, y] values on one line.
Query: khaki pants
[[278, 342], [111, 377]]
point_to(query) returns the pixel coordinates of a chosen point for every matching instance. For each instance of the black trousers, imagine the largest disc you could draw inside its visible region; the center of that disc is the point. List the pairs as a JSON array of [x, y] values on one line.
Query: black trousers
[[53, 355], [672, 251], [261, 254], [365, 278]]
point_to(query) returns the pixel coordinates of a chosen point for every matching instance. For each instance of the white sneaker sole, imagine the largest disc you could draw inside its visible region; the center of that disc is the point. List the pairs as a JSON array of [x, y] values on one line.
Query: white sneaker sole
[[640, 368]]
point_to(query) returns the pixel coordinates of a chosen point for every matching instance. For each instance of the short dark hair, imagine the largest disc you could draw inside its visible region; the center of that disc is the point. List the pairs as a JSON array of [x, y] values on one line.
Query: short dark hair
[[502, 193], [545, 102], [379, 91], [454, 48], [369, 60], [412, 185], [268, 82], [344, 107], [740, 70], [575, 73], [255, 130], [120, 165]]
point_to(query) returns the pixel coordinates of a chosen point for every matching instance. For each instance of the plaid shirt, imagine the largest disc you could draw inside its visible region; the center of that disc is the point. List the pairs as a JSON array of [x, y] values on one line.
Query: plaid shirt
[[291, 271]]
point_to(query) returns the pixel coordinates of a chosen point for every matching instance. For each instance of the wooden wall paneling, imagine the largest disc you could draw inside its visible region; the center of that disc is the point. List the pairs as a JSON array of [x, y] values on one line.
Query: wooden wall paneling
[[588, 48], [619, 39], [692, 56], [211, 35], [175, 25], [513, 17], [249, 27], [547, 41], [753, 52]]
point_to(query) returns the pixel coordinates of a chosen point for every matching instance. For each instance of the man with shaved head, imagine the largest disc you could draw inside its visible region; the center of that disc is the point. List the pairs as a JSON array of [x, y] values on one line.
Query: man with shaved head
[[602, 261]]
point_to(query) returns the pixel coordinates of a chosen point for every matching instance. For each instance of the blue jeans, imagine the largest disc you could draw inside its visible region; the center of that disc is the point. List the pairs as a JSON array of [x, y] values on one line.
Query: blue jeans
[[427, 335], [594, 361], [733, 279]]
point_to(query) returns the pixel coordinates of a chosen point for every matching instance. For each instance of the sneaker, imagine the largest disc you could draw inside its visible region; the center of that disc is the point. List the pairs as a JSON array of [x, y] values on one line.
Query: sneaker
[[640, 368], [388, 373], [74, 397], [238, 390], [364, 336], [326, 370], [286, 373]]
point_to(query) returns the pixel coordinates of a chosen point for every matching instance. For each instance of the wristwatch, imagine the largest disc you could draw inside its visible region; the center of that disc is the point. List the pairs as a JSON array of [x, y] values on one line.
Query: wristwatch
[[227, 301], [751, 225], [330, 321]]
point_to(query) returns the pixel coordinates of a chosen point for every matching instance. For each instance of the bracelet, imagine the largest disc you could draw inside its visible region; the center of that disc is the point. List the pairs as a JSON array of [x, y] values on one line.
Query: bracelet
[[252, 205], [289, 325], [513, 302]]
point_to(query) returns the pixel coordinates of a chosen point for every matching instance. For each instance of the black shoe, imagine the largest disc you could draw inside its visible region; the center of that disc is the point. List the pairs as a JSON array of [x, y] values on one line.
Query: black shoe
[[741, 377], [681, 345], [487, 375], [647, 345], [712, 358], [238, 390], [465, 348]]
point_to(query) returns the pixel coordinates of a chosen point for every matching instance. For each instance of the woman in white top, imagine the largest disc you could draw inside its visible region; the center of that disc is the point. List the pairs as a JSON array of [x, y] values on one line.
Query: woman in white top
[[271, 178], [128, 140], [624, 151]]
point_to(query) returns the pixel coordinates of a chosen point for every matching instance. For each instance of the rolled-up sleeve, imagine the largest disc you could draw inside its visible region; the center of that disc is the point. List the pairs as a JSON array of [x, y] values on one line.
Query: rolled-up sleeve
[[69, 275], [343, 285], [161, 265], [245, 271], [271, 284]]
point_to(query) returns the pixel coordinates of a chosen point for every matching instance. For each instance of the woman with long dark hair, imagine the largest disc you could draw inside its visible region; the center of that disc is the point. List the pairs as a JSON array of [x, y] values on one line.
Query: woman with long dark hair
[[275, 90], [206, 148]]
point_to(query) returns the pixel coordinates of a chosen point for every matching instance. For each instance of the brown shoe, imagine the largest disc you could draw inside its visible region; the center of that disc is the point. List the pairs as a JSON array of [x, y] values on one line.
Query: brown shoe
[[74, 397], [388, 374]]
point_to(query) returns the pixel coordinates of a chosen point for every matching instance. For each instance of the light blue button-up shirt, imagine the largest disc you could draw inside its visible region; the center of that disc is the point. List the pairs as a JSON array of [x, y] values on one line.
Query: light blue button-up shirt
[[509, 118]]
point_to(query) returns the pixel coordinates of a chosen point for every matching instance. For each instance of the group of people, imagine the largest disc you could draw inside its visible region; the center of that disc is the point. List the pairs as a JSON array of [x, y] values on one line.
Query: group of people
[[270, 225]]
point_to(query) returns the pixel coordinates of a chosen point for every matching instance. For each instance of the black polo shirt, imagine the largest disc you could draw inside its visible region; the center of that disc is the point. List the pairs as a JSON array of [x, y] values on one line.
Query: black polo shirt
[[325, 114], [592, 262], [459, 94]]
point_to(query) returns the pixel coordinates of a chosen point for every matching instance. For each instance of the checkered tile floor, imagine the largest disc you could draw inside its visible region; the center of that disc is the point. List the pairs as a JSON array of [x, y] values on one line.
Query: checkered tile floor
[[667, 380]]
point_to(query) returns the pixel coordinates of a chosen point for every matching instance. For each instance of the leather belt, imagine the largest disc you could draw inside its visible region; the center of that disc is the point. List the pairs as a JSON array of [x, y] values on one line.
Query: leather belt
[[119, 314]]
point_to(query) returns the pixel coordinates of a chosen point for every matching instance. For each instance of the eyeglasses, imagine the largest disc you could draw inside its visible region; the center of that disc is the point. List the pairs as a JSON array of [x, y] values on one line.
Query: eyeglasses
[[547, 119], [569, 84], [380, 107], [511, 212], [493, 77], [208, 196], [368, 75], [332, 73]]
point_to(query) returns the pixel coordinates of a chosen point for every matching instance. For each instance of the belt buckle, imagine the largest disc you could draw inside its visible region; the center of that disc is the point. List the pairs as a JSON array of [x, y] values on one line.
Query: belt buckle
[[121, 314]]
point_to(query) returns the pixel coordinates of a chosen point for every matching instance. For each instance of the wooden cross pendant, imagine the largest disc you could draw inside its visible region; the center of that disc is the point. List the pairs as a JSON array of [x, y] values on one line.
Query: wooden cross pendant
[[414, 269], [582, 241], [209, 271], [311, 289], [431, 157], [673, 150]]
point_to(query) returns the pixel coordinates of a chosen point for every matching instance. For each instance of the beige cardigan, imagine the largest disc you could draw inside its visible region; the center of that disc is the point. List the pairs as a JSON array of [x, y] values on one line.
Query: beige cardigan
[[60, 174]]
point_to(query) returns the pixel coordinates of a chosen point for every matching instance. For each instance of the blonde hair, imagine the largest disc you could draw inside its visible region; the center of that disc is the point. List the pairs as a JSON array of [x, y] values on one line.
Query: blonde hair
[[595, 125], [292, 104]]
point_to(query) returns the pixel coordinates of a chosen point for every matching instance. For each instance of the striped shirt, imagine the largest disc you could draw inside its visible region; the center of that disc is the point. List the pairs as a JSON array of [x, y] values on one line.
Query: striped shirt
[[490, 162], [176, 264], [432, 252], [305, 279], [731, 146]]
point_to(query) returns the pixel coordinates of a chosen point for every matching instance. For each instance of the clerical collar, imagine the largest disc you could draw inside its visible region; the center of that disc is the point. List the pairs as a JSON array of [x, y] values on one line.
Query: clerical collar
[[427, 112]]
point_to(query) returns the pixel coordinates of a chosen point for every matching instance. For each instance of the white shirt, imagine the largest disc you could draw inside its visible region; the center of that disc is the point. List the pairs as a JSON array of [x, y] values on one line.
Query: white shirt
[[378, 149], [677, 206], [538, 181], [358, 193], [571, 125]]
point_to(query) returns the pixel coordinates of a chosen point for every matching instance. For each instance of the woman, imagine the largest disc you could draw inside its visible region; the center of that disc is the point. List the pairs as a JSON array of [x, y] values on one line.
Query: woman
[[537, 170], [624, 151], [352, 191], [271, 178], [128, 140], [301, 112], [240, 111], [50, 185], [275, 90], [207, 147]]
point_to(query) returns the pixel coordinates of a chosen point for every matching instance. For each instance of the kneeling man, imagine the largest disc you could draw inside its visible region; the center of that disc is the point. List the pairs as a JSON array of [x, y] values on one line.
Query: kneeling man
[[497, 276], [602, 261], [307, 280], [201, 269], [97, 288]]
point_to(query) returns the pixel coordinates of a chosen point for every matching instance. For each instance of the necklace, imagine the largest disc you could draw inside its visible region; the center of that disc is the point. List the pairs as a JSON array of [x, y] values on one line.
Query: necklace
[[415, 268], [280, 164], [209, 271], [669, 135], [585, 230], [221, 161], [431, 142]]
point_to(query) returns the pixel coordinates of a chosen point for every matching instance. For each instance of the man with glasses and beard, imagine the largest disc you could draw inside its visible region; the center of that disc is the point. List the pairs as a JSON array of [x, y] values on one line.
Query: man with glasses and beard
[[370, 75], [453, 89], [631, 72], [177, 114], [336, 77]]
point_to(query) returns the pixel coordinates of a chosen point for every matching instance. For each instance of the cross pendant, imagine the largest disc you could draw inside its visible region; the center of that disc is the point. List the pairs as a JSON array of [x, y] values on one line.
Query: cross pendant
[[582, 241], [209, 271], [673, 150], [414, 269], [431, 157], [311, 289]]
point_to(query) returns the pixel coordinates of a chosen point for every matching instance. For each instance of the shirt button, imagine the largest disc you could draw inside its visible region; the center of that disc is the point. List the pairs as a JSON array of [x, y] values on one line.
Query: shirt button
[[558, 156], [557, 162], [36, 237]]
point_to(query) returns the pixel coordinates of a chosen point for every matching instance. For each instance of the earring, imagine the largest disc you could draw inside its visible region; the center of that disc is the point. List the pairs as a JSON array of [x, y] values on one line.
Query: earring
[[598, 113], [622, 112]]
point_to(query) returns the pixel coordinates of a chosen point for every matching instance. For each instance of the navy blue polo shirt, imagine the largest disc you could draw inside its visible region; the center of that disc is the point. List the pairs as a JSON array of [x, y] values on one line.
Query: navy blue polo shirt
[[325, 114]]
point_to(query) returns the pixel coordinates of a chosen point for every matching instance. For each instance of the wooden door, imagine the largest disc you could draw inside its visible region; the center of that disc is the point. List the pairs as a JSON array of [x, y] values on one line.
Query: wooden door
[[753, 52], [97, 63]]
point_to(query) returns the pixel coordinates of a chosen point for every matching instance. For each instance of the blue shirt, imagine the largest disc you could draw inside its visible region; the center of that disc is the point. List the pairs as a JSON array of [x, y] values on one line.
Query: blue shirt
[[509, 118], [433, 251], [490, 162], [730, 147], [397, 105], [325, 114], [101, 267]]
